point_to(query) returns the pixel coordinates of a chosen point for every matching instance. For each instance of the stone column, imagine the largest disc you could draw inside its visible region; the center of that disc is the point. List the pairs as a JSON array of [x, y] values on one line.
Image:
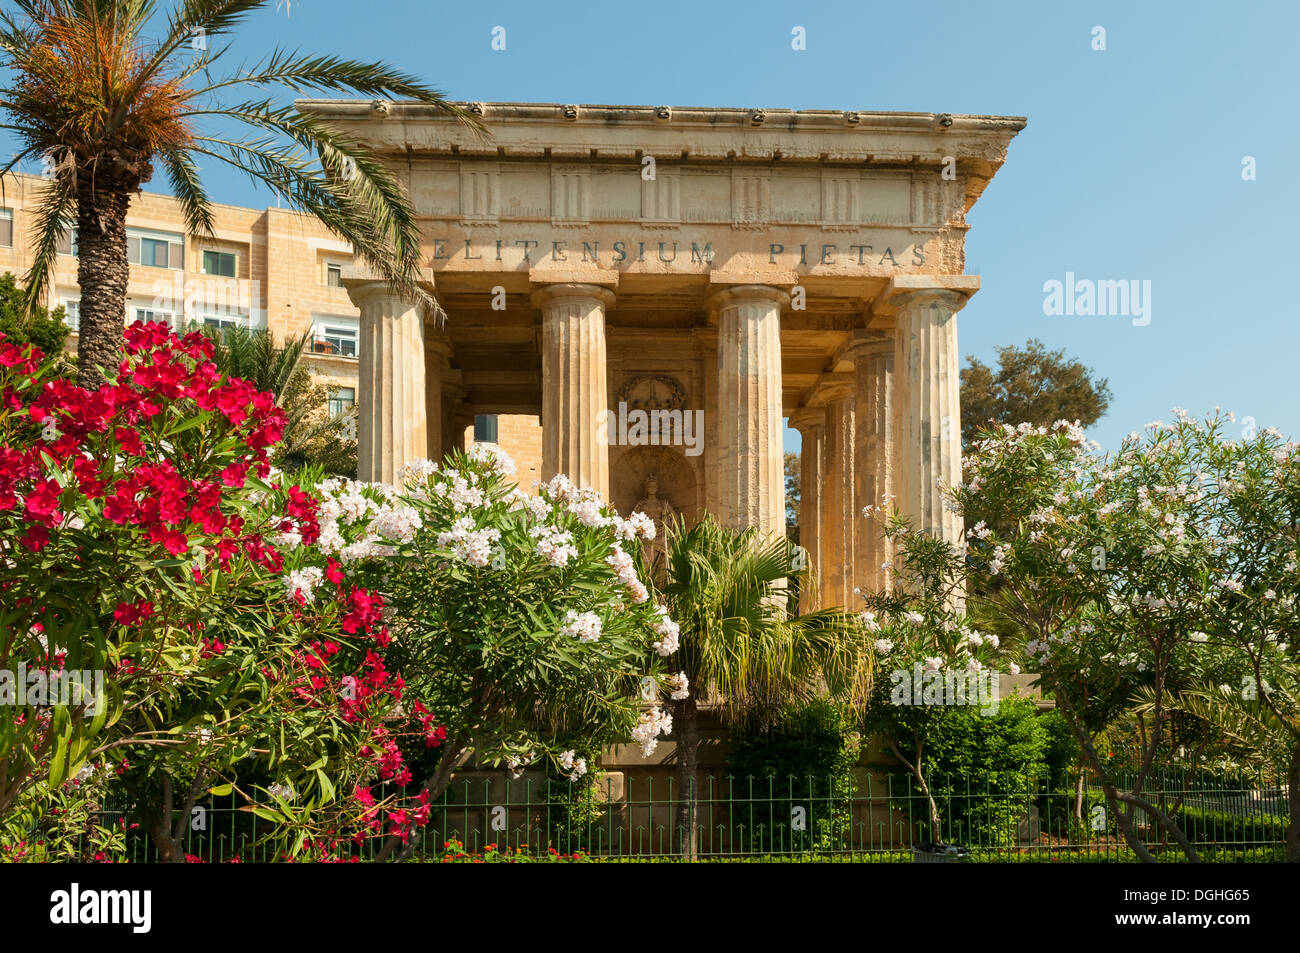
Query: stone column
[[751, 468], [575, 385], [927, 414], [872, 353], [839, 514], [391, 429], [811, 424], [436, 351]]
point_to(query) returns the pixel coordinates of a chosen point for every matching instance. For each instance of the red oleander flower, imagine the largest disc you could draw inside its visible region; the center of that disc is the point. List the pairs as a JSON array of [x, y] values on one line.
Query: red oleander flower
[[133, 613]]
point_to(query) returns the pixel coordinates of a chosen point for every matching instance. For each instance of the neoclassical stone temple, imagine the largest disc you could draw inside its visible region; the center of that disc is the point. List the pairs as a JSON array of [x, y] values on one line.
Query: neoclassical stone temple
[[600, 265]]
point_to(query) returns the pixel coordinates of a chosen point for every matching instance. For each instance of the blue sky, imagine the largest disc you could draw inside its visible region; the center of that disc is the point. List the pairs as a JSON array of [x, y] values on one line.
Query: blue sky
[[1130, 167]]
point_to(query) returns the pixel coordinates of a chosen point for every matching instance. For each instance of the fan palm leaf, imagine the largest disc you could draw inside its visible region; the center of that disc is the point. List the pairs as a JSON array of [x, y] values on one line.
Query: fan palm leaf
[[104, 90]]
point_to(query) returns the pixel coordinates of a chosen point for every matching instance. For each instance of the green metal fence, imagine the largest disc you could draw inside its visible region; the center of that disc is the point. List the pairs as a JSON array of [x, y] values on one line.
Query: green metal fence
[[1240, 818]]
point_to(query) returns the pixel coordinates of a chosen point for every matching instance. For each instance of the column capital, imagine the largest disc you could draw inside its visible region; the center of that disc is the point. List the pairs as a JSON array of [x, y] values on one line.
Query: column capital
[[808, 418], [738, 294], [866, 344], [832, 387], [362, 282], [545, 295], [905, 291]]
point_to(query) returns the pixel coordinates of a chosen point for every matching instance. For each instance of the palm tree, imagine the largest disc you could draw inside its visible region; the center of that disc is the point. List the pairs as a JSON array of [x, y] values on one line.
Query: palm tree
[[103, 90], [1264, 729], [252, 355], [740, 646]]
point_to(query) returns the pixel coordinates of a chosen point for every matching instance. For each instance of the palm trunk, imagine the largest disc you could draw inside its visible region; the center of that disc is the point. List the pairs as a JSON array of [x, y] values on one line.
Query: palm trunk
[[687, 725], [102, 272]]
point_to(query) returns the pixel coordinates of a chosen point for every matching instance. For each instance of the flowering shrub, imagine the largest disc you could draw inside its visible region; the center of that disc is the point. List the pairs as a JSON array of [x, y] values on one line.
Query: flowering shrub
[[520, 619], [143, 540], [1115, 569], [931, 664]]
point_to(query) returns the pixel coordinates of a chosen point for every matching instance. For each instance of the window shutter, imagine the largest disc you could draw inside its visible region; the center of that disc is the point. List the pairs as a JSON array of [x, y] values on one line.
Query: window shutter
[[64, 246], [175, 255], [7, 232], [133, 249]]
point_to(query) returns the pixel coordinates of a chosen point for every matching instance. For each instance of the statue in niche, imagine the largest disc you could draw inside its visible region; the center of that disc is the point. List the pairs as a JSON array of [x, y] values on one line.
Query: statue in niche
[[662, 512]]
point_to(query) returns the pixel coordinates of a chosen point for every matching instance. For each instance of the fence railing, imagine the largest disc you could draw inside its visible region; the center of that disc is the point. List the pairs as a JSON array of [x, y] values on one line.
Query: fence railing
[[832, 818]]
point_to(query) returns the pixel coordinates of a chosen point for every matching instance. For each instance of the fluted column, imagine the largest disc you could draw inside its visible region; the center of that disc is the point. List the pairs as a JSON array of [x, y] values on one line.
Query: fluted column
[[811, 424], [751, 469], [391, 429], [575, 386], [872, 353], [927, 414], [839, 514], [436, 351]]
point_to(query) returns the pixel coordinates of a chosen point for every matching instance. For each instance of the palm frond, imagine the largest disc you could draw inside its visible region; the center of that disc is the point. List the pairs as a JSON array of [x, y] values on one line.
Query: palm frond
[[183, 175], [392, 250], [1246, 723], [213, 17], [56, 204], [306, 73], [727, 591]]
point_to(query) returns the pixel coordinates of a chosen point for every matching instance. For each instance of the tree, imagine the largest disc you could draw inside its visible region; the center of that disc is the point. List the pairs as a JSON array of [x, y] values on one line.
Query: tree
[[101, 96], [727, 592], [1117, 571], [519, 619], [1031, 385], [176, 597], [936, 659], [46, 329]]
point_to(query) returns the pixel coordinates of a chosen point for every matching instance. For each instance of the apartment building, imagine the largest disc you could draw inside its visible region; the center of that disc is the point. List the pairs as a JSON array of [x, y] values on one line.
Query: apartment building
[[262, 268]]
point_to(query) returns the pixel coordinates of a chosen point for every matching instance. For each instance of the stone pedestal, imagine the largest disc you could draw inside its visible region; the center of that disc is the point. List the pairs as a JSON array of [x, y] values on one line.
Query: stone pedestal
[[873, 366], [750, 467], [575, 386], [811, 424], [391, 428], [927, 415]]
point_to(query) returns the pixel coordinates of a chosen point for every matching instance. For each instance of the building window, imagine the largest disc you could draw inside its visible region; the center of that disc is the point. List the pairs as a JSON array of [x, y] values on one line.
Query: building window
[[157, 250], [67, 244], [72, 315], [342, 399], [153, 315], [228, 319], [220, 263], [485, 428], [331, 339], [6, 227], [334, 275]]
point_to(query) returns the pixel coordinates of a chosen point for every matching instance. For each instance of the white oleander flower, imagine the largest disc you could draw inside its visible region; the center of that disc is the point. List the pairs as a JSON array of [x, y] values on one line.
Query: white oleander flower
[[669, 634], [680, 686], [303, 581], [585, 626], [651, 725]]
